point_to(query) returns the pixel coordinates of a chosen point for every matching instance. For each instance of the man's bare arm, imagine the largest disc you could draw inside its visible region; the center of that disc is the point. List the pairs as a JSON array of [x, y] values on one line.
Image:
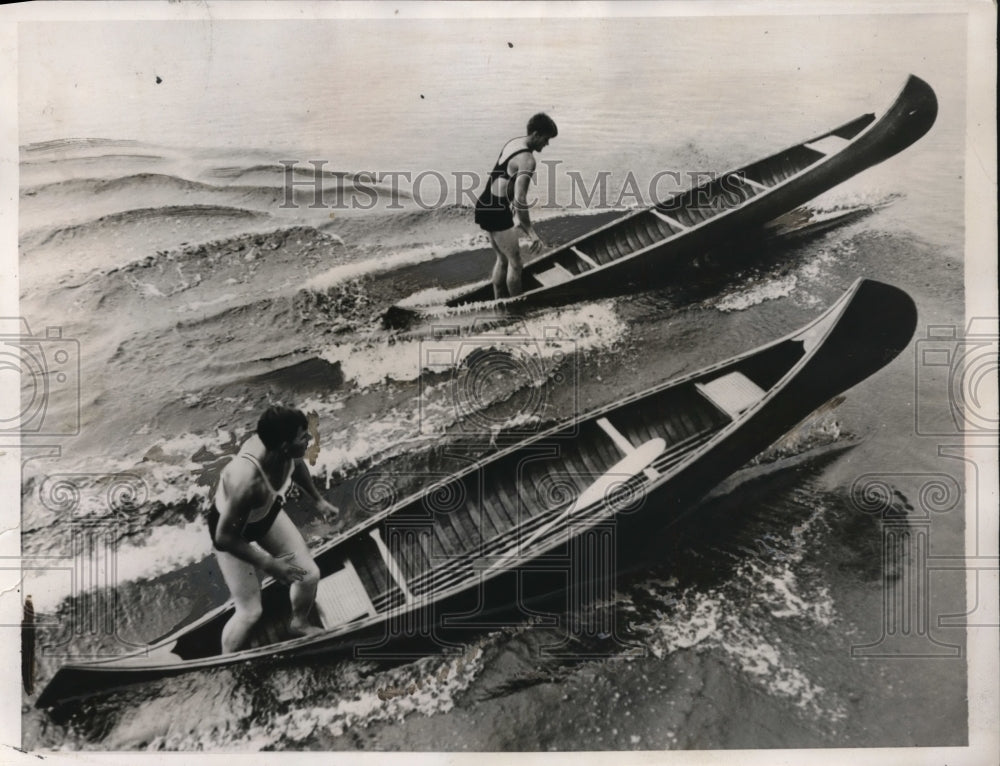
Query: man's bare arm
[[523, 174], [302, 477]]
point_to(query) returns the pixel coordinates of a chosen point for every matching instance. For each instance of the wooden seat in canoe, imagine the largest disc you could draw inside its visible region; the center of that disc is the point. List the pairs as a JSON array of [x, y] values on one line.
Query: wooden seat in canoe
[[828, 144], [554, 276], [341, 597], [731, 393]]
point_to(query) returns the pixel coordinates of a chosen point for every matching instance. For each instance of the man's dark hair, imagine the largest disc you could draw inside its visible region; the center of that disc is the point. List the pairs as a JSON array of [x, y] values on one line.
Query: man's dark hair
[[280, 424], [543, 124]]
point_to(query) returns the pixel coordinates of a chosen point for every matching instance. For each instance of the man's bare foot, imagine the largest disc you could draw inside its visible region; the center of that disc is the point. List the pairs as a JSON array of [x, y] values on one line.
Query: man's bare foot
[[299, 629]]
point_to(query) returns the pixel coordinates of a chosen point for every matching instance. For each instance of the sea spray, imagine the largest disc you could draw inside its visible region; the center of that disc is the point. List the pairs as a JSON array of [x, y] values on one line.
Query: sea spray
[[757, 292], [551, 334], [398, 257]]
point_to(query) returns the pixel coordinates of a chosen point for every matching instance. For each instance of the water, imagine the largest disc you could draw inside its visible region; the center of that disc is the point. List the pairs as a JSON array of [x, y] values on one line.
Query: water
[[636, 95], [162, 249]]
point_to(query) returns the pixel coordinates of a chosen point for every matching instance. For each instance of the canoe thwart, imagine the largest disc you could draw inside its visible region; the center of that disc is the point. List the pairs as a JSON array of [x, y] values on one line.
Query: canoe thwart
[[672, 221], [616, 436], [622, 443], [341, 597], [392, 565], [753, 184], [625, 445], [731, 393], [585, 258]]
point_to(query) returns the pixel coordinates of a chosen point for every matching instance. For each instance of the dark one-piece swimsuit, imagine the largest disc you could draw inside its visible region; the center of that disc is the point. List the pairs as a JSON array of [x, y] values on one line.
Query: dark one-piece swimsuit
[[253, 531], [493, 212]]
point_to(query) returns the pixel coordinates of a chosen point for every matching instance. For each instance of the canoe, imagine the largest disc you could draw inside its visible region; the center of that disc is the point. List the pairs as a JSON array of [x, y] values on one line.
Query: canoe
[[459, 545], [646, 245]]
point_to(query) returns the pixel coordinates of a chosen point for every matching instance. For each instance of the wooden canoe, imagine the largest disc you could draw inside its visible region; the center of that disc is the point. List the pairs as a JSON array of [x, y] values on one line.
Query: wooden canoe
[[644, 246], [638, 464]]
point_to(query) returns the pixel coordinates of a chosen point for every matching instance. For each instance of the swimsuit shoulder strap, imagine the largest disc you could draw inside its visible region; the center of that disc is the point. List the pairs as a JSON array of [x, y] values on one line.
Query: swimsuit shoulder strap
[[512, 156], [288, 481], [501, 166], [284, 485], [260, 470], [222, 497]]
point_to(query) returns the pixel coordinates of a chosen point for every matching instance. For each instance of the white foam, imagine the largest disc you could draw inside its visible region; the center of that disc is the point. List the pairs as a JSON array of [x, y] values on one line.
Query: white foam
[[549, 336], [435, 296], [834, 201], [402, 257], [780, 594], [711, 619], [197, 305], [187, 444], [758, 293], [145, 289], [395, 431], [427, 687], [691, 628], [377, 438], [168, 481], [813, 269], [757, 657]]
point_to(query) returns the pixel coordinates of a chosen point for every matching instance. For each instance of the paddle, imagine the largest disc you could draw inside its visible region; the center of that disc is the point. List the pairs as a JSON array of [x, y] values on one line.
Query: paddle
[[631, 465], [635, 462]]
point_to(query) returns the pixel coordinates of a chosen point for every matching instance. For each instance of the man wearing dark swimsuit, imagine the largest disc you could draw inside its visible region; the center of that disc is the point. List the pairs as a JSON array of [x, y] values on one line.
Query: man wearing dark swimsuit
[[505, 198], [248, 508]]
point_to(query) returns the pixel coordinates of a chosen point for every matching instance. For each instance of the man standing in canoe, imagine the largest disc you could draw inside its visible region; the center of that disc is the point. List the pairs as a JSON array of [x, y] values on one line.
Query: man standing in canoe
[[248, 509], [505, 198]]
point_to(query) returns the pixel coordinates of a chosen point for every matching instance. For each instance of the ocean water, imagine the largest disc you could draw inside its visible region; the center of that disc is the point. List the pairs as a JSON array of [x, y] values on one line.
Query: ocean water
[[154, 235]]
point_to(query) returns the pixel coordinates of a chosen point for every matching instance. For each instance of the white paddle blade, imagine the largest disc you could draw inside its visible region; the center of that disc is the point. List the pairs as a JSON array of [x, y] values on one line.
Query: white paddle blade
[[631, 465]]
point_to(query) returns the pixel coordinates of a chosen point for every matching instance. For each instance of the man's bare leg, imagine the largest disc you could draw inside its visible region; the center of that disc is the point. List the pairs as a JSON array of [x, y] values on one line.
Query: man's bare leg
[[241, 577], [499, 276], [508, 247], [283, 537]]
